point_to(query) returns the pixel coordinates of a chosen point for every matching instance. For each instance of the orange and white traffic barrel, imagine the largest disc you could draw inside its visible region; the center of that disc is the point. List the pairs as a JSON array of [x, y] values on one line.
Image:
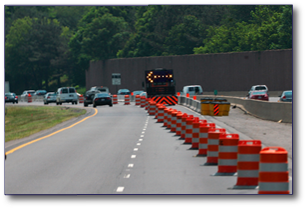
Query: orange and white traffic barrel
[[115, 100], [189, 130], [165, 116], [273, 171], [184, 125], [169, 118], [127, 100], [143, 101], [81, 99], [179, 123], [248, 164], [152, 108], [213, 145], [137, 100], [174, 120], [29, 98], [146, 103], [195, 133], [160, 117], [228, 154], [156, 110], [203, 138]]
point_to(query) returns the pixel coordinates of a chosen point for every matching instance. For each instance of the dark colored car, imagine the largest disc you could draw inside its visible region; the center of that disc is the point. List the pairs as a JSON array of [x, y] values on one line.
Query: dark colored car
[[102, 99], [89, 96], [259, 95], [286, 96], [123, 92], [11, 97]]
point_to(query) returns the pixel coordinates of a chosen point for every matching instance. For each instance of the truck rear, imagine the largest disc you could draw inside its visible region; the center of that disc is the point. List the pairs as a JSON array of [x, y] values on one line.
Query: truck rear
[[160, 86]]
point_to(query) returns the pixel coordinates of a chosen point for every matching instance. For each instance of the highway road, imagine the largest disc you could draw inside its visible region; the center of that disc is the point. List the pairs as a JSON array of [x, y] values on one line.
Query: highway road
[[122, 150]]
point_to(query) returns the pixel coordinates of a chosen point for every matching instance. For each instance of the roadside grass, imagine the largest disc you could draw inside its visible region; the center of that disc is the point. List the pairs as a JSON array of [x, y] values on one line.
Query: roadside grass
[[21, 122]]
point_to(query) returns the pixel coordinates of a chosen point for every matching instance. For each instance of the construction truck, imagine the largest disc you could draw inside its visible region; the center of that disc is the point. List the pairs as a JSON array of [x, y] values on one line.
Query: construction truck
[[160, 86]]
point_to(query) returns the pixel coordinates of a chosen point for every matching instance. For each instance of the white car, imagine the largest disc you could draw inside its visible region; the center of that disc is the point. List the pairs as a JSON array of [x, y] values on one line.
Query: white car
[[66, 95], [192, 90], [258, 88], [24, 95]]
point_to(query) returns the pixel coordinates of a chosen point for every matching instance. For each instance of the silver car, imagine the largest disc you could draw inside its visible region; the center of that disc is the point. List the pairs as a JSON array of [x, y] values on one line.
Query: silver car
[[24, 95], [66, 94], [50, 97]]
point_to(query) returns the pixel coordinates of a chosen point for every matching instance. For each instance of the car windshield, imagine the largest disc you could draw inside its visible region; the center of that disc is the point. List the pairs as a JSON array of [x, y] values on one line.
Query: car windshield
[[288, 93], [260, 88], [102, 95], [123, 90], [258, 93], [51, 94]]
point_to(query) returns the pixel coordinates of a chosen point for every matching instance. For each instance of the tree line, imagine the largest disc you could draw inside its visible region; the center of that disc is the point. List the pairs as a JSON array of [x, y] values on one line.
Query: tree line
[[50, 46]]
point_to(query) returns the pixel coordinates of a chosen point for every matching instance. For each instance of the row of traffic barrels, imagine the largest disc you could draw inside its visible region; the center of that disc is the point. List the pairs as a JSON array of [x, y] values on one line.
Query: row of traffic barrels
[[214, 106], [255, 167]]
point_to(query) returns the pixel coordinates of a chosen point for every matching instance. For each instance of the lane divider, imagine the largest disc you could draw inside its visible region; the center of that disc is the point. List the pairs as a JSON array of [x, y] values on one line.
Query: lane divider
[[44, 137]]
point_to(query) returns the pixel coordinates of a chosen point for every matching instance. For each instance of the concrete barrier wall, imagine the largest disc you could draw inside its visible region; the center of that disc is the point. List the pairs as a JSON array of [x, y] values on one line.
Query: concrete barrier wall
[[274, 111]]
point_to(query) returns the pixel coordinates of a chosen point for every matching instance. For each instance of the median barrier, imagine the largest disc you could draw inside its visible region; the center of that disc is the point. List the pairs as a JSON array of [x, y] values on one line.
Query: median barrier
[[274, 111]]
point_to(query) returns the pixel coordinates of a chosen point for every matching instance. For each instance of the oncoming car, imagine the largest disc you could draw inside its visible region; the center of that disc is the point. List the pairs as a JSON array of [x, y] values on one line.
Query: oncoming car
[[286, 96], [259, 95], [102, 99], [258, 88], [123, 92]]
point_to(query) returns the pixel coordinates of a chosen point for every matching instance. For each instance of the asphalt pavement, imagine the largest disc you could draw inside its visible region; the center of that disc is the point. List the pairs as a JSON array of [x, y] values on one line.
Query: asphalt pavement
[[122, 150]]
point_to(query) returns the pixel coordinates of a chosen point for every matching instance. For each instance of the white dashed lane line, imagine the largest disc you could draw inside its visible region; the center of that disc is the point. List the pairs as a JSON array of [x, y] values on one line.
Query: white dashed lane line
[[127, 176]]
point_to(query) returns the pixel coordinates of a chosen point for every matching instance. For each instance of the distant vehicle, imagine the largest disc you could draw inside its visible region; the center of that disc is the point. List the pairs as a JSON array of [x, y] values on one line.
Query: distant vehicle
[[286, 96], [24, 95], [192, 90], [139, 92], [40, 92], [50, 97], [102, 99], [258, 88], [11, 97], [144, 94], [259, 95], [100, 88], [123, 92], [66, 95]]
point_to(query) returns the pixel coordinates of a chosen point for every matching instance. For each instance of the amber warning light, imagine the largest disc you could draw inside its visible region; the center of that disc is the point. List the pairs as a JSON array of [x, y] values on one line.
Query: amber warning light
[[159, 77]]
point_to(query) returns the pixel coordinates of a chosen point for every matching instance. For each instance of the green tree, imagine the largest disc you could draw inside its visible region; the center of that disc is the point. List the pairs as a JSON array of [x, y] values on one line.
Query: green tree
[[182, 38]]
